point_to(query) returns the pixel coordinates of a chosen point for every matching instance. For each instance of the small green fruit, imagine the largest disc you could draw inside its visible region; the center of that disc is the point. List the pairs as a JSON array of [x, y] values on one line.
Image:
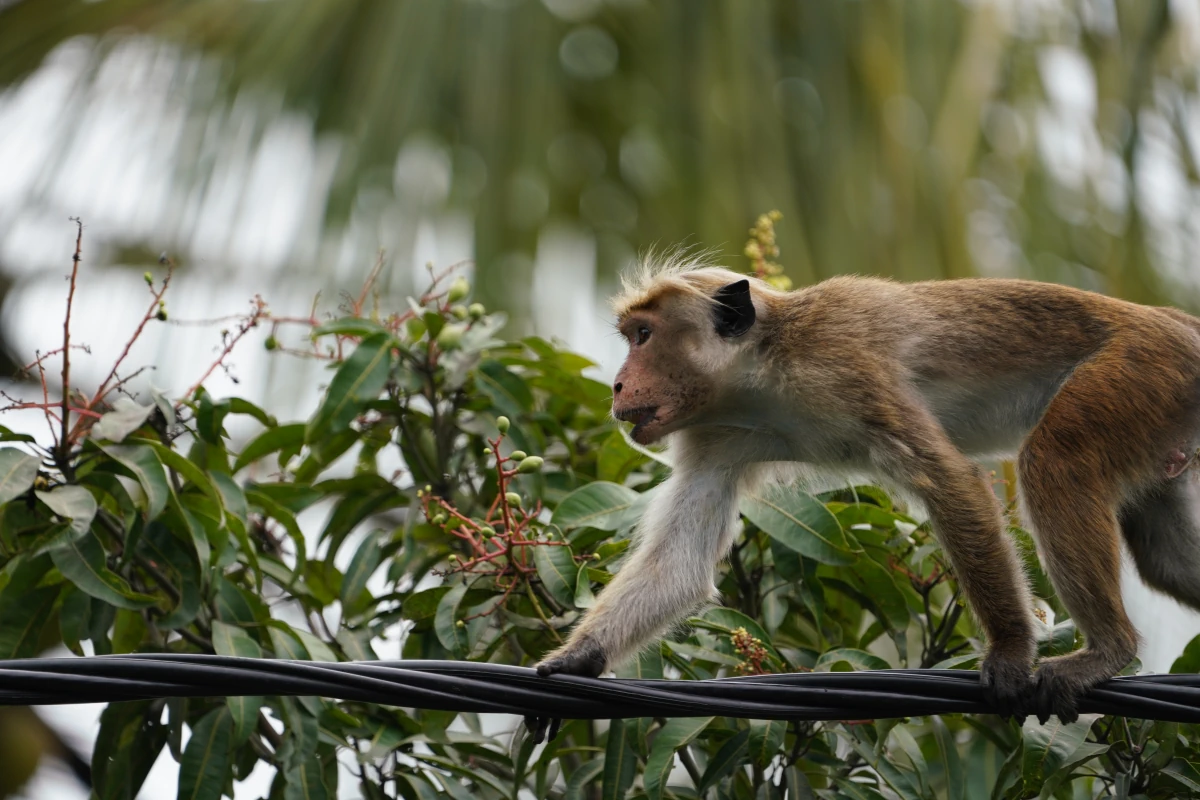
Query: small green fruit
[[452, 558], [476, 310], [513, 499], [271, 343], [450, 337], [439, 519], [148, 278], [502, 424], [517, 455], [458, 312], [487, 531], [460, 624], [459, 289], [530, 464]]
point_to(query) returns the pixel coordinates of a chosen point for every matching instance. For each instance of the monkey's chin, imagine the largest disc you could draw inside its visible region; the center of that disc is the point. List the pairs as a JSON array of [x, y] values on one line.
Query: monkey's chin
[[647, 432]]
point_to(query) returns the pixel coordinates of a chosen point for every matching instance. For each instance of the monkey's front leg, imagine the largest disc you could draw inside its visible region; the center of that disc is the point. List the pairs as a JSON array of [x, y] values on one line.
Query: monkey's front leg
[[685, 531]]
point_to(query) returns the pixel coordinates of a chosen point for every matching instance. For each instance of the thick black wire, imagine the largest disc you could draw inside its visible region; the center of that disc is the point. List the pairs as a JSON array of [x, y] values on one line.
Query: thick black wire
[[469, 686]]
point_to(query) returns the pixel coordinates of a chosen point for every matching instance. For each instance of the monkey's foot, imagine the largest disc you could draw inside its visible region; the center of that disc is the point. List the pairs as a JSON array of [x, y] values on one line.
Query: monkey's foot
[[1007, 684], [1056, 693], [583, 657]]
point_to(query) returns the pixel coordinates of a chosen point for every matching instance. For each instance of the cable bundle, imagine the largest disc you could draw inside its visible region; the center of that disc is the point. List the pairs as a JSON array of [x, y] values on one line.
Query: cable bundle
[[467, 686]]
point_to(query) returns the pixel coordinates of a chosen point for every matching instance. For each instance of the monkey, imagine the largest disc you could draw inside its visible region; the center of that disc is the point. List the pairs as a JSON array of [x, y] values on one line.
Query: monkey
[[913, 383]]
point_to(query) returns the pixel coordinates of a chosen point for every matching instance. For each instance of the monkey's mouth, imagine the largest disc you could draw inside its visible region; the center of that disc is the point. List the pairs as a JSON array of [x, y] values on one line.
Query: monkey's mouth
[[640, 417]]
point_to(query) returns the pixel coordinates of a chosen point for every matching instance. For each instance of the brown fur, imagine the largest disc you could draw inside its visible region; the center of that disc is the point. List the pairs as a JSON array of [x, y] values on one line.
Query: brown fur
[[1099, 397]]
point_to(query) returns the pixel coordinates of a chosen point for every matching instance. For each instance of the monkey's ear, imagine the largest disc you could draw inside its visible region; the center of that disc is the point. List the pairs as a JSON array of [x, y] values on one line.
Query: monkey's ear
[[734, 313]]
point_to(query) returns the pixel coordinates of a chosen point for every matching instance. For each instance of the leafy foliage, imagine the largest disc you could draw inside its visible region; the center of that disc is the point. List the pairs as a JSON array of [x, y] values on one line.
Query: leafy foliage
[[511, 507]]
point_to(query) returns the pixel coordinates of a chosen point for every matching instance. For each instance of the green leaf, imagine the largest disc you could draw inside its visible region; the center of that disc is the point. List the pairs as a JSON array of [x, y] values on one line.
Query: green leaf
[[285, 643], [1188, 661], [1184, 774], [206, 763], [765, 740], [599, 505], [147, 469], [1050, 746], [270, 441], [351, 326], [230, 640], [83, 563], [74, 503], [305, 781], [1065, 771], [556, 567], [366, 560], [452, 637], [18, 471], [130, 738], [674, 735], [359, 379], [584, 597], [726, 759], [25, 607], [620, 764], [956, 785], [125, 418], [580, 778], [802, 523], [858, 659]]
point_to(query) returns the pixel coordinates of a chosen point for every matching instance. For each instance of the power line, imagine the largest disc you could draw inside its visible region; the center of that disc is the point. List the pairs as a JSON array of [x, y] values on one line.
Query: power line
[[469, 686]]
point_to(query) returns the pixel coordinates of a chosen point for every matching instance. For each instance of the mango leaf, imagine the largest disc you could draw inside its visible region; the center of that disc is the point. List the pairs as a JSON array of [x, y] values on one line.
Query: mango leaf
[[366, 560], [858, 659], [351, 326], [765, 740], [130, 738], [25, 607], [230, 640], [305, 781], [359, 378], [74, 503], [956, 783], [18, 471], [584, 597], [600, 505], [270, 441], [206, 759], [802, 523], [125, 418], [558, 571], [674, 735], [1048, 747], [580, 778], [726, 759], [1083, 754], [620, 764], [83, 563], [1188, 661], [452, 637], [147, 469]]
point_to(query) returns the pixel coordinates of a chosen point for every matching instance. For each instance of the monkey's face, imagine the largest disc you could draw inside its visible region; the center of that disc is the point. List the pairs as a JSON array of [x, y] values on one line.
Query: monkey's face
[[679, 349]]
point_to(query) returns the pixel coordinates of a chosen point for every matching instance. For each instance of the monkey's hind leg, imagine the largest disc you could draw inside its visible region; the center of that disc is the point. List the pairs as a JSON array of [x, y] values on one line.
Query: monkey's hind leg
[[1162, 529], [1071, 513]]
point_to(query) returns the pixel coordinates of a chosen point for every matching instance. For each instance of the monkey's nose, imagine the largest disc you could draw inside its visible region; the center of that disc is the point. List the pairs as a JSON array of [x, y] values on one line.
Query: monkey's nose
[[617, 388]]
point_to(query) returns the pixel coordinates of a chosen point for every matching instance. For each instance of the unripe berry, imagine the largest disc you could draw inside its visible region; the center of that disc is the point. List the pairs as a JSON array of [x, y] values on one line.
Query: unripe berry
[[458, 312], [450, 337], [271, 343], [517, 455], [513, 499], [502, 424], [530, 464], [487, 531], [452, 558], [460, 624], [148, 278], [459, 289], [476, 310], [439, 519]]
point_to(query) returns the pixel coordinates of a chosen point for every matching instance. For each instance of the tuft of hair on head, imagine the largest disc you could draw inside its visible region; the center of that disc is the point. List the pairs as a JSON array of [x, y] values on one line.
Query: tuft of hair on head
[[683, 270]]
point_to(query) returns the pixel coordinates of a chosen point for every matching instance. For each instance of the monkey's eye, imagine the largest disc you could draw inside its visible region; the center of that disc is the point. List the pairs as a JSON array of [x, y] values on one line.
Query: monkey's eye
[[642, 335]]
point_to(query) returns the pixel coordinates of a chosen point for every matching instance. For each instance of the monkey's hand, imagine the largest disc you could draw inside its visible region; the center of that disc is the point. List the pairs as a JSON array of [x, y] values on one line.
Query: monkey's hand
[[1008, 684], [580, 657]]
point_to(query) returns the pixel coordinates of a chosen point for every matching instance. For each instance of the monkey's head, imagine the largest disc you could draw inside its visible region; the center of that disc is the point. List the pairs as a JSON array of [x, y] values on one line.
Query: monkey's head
[[687, 330]]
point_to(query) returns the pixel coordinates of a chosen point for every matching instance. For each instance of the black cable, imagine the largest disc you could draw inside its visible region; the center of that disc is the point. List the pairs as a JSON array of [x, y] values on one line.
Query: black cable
[[469, 686]]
